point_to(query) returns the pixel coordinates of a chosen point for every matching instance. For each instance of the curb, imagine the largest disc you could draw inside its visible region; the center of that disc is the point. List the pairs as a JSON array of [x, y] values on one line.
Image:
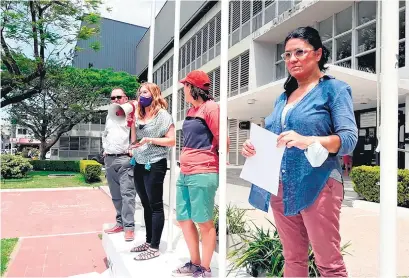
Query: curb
[[375, 207]]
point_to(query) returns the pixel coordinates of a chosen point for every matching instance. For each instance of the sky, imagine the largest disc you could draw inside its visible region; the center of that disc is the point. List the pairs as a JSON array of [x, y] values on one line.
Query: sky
[[136, 12]]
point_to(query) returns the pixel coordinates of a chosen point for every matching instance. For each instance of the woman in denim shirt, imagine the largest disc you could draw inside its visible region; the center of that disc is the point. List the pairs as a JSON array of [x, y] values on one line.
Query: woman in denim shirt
[[315, 121]]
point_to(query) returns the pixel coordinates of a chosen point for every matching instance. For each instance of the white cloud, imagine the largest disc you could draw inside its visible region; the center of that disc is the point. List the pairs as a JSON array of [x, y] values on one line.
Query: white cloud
[[136, 12]]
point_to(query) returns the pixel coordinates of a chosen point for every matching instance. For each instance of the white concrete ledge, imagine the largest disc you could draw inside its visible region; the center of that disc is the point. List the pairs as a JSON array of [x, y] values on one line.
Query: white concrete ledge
[[121, 260], [375, 207]]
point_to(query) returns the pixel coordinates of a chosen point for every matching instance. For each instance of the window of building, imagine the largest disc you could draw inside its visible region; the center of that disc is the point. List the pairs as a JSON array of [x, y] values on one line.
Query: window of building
[[366, 11], [95, 144], [22, 131], [328, 45], [74, 143], [179, 143], [284, 6], [352, 40], [64, 143], [269, 10], [343, 21], [343, 48], [216, 82], [280, 70], [325, 29], [84, 144]]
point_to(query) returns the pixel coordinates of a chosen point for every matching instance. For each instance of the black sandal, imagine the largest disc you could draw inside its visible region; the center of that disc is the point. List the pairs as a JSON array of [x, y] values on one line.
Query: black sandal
[[141, 248], [147, 255]]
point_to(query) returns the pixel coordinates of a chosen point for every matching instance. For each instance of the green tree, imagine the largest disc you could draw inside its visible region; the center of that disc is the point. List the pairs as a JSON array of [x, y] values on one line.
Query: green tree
[[70, 96], [37, 33]]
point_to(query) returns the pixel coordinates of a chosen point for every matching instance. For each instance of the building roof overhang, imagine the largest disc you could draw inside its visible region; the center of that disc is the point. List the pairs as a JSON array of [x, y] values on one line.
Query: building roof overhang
[[363, 84]]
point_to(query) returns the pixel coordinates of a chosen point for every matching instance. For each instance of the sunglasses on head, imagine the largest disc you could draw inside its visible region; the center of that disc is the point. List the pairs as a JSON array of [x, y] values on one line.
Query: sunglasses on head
[[116, 97]]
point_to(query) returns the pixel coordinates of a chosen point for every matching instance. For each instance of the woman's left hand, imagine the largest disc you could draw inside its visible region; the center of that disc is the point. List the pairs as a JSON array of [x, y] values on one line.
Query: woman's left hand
[[293, 139], [142, 142]]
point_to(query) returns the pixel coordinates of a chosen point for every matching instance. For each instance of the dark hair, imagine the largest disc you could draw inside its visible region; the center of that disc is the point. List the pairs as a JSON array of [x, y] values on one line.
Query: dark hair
[[196, 92], [311, 36]]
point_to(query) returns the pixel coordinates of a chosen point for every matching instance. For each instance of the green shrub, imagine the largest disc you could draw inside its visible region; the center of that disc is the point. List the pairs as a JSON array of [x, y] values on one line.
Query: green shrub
[[366, 180], [91, 170], [56, 165], [14, 167]]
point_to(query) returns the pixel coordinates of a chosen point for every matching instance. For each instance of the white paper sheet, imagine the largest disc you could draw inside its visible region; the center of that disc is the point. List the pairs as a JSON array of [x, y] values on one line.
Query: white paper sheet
[[263, 169]]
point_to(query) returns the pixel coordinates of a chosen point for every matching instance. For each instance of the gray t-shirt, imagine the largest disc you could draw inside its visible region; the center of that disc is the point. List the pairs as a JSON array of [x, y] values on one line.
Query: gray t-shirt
[[155, 128]]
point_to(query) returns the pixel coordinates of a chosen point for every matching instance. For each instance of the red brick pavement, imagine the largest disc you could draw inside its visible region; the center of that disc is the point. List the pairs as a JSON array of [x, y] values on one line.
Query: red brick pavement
[[54, 212], [58, 256], [56, 216]]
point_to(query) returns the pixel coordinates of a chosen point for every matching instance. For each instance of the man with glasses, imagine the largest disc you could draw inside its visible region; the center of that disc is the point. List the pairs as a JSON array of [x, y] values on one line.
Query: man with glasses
[[119, 171]]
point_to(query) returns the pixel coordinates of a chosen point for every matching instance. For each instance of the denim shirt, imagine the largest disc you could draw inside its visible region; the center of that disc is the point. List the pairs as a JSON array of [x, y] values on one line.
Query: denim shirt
[[326, 110]]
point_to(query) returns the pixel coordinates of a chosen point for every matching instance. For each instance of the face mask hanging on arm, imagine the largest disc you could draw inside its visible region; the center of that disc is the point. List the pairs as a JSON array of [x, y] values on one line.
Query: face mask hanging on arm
[[316, 154]]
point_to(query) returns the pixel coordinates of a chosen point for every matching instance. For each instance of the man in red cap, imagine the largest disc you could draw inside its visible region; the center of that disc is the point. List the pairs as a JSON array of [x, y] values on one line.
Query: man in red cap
[[199, 178]]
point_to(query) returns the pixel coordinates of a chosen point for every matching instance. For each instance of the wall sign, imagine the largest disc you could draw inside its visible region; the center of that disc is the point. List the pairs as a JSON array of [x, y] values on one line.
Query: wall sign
[[244, 125], [362, 132], [367, 119]]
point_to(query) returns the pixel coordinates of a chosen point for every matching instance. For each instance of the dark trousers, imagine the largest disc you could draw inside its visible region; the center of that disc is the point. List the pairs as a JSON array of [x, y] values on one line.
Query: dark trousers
[[149, 186]]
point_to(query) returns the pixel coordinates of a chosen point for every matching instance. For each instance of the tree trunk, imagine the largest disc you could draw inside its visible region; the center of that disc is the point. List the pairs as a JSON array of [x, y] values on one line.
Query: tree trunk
[[44, 149]]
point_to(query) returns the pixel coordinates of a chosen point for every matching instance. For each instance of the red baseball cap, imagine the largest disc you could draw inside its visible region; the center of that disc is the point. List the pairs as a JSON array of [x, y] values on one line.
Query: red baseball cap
[[198, 79]]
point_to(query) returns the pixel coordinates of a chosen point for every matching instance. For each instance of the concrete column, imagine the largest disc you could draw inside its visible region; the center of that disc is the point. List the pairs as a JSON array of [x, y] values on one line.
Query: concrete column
[[407, 35], [262, 57], [407, 130]]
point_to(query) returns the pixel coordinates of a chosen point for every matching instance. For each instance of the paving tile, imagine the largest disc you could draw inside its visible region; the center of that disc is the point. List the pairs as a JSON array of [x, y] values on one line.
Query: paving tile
[[34, 271], [52, 271], [16, 270], [54, 212]]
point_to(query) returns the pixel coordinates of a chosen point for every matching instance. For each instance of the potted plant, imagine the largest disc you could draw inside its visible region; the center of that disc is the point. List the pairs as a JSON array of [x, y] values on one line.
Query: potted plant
[[236, 227], [261, 254]]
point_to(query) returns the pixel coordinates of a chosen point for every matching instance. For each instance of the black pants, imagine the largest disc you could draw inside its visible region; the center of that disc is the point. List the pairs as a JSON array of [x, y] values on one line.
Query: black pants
[[149, 186]]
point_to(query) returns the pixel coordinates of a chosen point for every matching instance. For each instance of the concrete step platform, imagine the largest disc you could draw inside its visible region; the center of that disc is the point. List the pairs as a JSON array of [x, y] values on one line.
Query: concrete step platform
[[122, 264]]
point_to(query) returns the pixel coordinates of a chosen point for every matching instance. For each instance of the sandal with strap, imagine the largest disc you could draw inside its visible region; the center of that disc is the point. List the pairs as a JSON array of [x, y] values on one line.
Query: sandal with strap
[[147, 255], [141, 248]]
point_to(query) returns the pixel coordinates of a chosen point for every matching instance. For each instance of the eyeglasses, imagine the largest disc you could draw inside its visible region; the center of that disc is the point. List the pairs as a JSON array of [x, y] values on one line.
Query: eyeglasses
[[298, 53], [116, 97]]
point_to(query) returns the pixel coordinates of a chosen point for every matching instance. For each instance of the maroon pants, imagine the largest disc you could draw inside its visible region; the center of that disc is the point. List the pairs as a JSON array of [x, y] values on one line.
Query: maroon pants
[[317, 224]]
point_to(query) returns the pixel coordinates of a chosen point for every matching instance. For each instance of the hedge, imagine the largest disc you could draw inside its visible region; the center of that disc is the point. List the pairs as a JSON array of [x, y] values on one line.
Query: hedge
[[366, 180], [56, 165], [91, 170], [14, 166]]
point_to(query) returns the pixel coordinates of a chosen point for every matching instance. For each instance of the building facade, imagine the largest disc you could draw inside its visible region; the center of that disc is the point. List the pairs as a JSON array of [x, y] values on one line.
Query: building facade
[[119, 41], [256, 72]]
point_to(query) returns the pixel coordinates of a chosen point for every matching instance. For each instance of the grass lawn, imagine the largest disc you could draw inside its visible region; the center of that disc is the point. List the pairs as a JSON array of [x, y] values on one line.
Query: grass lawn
[[40, 179], [7, 246]]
